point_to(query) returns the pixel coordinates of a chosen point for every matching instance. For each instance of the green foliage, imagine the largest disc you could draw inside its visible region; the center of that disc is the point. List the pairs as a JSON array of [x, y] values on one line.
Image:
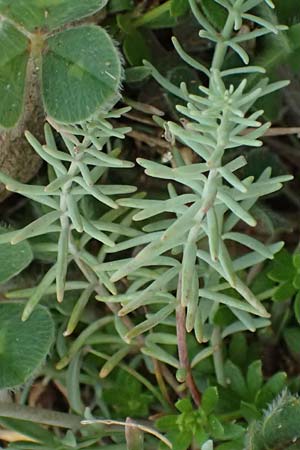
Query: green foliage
[[73, 179], [23, 345], [158, 297], [133, 402], [198, 426], [30, 30], [285, 271], [214, 199], [246, 396], [179, 7], [215, 13], [82, 59], [252, 395], [48, 14], [13, 258]]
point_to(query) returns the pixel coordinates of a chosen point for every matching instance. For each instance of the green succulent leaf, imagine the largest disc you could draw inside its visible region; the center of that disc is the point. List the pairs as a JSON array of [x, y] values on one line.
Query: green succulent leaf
[[182, 441], [81, 73], [210, 399], [238, 349], [296, 260], [284, 292], [235, 379], [48, 14], [14, 54], [249, 411], [281, 267], [23, 345], [283, 271], [233, 431], [271, 389], [14, 259], [254, 378], [166, 423], [184, 405], [216, 428], [296, 281]]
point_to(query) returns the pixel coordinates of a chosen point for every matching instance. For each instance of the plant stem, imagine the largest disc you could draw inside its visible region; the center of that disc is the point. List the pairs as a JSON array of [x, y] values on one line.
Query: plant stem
[[40, 415], [183, 350], [221, 47]]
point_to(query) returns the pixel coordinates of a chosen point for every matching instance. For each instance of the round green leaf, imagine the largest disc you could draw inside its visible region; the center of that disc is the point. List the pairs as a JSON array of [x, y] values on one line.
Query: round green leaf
[[81, 72], [14, 53], [14, 259], [23, 345], [48, 14]]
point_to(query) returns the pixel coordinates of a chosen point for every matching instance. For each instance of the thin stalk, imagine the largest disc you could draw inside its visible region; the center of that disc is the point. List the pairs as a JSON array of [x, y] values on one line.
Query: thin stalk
[[183, 350]]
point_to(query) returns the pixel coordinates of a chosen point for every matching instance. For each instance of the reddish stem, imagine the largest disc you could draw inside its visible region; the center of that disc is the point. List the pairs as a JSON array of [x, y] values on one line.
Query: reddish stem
[[183, 350]]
